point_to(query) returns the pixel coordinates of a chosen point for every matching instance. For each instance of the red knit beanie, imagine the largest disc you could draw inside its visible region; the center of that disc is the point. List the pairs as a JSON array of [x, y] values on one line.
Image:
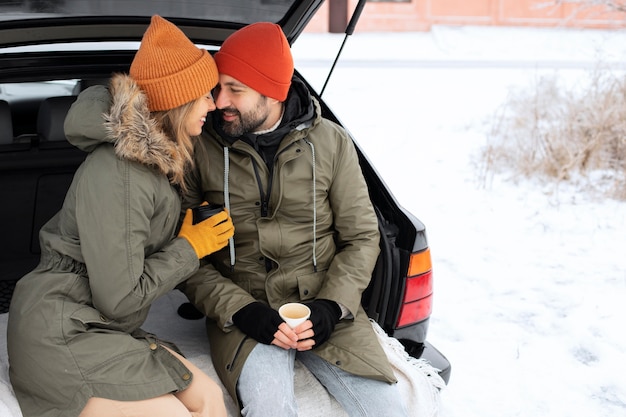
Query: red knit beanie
[[259, 56], [169, 68]]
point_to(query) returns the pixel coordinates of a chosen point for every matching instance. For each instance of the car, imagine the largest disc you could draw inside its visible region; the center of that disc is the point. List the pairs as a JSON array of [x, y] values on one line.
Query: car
[[52, 50]]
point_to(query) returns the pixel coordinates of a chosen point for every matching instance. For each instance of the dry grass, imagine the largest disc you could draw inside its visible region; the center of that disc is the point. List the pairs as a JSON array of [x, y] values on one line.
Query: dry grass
[[558, 134]]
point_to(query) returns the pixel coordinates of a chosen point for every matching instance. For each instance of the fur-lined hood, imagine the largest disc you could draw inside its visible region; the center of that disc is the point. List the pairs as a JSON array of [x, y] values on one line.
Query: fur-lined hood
[[127, 124]]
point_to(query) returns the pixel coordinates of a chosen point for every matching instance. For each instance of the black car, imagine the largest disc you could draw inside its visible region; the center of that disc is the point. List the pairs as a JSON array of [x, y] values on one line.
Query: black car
[[51, 50]]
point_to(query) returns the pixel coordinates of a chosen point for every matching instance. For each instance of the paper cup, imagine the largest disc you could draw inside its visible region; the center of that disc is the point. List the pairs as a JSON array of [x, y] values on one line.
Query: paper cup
[[294, 314]]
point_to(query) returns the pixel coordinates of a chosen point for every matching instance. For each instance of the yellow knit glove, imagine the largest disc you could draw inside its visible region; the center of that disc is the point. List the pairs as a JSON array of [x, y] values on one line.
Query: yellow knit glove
[[209, 235]]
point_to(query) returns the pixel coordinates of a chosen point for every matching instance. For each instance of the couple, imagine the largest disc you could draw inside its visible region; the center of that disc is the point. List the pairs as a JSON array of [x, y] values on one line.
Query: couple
[[304, 230]]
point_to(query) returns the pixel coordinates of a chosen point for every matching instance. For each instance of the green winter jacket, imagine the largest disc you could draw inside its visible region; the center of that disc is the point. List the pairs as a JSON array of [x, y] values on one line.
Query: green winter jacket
[[74, 322], [306, 216]]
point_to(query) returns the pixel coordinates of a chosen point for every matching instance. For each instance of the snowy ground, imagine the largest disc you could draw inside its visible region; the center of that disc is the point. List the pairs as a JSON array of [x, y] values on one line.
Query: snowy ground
[[530, 280]]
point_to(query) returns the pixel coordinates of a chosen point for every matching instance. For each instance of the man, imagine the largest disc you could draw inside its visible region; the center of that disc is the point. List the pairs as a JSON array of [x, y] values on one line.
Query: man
[[305, 231]]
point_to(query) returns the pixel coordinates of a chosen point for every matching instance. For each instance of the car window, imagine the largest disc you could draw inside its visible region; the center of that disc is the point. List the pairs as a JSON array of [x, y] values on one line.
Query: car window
[[14, 92]]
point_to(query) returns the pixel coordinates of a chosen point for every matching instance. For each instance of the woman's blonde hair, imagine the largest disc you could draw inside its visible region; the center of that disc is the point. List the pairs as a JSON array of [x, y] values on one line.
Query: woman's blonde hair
[[173, 124]]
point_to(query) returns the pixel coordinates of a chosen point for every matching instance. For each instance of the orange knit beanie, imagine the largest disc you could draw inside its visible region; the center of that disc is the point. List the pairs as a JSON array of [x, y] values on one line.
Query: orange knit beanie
[[169, 68], [259, 56]]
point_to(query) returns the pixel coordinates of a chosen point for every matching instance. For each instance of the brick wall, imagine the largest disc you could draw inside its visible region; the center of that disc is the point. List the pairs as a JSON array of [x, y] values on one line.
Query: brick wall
[[420, 15]]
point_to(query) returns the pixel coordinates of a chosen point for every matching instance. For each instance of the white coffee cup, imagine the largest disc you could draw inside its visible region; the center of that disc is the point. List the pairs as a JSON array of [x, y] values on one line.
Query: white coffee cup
[[294, 314]]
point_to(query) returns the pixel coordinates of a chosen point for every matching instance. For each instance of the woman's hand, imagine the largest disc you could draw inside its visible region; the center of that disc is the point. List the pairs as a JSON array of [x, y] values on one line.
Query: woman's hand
[[209, 235]]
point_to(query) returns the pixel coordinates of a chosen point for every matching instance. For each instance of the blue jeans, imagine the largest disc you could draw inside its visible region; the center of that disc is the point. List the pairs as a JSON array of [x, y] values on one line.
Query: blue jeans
[[266, 386]]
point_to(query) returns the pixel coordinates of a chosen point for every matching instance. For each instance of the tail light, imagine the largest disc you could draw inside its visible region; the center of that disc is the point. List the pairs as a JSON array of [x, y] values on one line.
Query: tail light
[[418, 290]]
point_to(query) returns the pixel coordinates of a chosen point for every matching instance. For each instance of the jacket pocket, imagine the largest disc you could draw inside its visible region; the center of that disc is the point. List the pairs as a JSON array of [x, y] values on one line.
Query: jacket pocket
[[309, 285], [235, 354], [90, 317]]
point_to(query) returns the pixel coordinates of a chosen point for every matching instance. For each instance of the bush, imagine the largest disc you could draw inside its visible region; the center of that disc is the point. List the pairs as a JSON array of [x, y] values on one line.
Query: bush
[[553, 133]]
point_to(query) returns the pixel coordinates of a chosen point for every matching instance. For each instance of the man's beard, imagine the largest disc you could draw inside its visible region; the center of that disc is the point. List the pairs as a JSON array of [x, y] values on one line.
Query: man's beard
[[244, 123]]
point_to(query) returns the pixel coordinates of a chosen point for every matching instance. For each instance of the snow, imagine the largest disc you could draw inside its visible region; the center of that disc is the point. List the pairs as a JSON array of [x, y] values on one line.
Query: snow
[[530, 278]]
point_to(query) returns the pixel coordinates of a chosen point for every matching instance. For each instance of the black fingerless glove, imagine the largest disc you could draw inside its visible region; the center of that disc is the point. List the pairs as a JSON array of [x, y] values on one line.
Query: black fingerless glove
[[325, 314], [259, 321]]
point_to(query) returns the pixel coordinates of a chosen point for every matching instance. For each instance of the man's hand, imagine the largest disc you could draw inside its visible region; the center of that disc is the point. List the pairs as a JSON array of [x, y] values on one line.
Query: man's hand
[[299, 337], [259, 321], [263, 323], [325, 314]]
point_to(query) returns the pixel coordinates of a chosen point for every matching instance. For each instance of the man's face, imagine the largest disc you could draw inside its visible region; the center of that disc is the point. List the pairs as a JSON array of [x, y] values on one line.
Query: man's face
[[241, 109]]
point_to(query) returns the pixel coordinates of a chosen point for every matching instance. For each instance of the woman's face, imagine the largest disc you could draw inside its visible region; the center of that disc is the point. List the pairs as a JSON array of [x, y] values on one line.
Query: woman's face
[[197, 116]]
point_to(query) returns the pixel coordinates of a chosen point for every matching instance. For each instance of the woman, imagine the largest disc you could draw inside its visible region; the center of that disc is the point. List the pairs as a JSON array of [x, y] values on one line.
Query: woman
[[74, 338]]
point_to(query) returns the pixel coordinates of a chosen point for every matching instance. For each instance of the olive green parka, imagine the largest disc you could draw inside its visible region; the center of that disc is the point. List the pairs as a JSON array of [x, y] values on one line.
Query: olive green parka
[[74, 322], [305, 228]]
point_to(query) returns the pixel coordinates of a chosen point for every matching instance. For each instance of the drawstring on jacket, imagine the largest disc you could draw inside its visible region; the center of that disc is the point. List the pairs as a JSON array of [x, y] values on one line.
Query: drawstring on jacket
[[314, 206], [231, 241]]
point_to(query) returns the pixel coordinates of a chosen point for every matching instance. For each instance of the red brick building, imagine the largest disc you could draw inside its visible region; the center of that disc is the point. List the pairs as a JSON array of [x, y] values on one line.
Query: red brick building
[[420, 15]]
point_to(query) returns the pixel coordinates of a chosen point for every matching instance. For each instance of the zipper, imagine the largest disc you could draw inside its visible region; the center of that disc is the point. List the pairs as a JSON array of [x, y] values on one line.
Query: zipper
[[229, 365]]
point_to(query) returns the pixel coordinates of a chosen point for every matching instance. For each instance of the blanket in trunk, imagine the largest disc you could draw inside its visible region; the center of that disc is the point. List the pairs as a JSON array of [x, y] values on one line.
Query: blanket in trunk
[[419, 382]]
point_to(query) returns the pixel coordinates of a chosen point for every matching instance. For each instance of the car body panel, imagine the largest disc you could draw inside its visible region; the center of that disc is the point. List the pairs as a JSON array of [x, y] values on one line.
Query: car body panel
[[203, 21]]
